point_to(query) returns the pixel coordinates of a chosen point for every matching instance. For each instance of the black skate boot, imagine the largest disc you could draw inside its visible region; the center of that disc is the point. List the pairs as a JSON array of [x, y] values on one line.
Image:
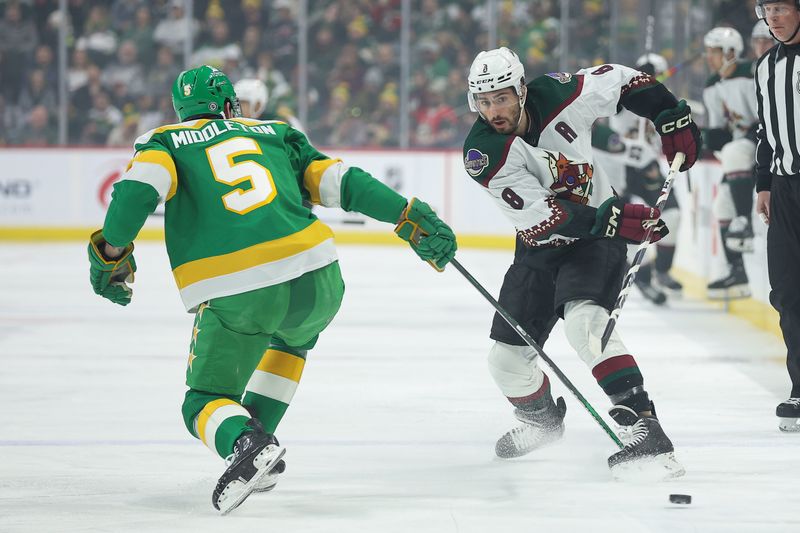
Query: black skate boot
[[740, 235], [732, 287], [255, 454], [647, 448], [539, 429], [789, 414], [268, 482], [648, 290], [668, 284]]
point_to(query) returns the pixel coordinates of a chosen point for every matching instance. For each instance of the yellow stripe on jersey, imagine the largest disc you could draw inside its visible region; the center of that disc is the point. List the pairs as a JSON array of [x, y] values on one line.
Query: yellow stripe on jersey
[[163, 159], [259, 254], [313, 176], [282, 364], [205, 415], [254, 122]]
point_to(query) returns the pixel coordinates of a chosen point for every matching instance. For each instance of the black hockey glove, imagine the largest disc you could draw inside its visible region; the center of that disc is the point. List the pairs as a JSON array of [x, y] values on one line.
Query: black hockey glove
[[679, 133], [617, 220]]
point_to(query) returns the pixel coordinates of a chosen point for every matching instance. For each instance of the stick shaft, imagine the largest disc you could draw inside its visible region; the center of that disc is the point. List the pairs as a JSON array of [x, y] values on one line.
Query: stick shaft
[[630, 276], [539, 351]]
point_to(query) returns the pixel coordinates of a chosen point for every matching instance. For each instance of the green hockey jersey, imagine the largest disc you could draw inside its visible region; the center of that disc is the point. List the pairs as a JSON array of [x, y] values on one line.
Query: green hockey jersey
[[234, 214]]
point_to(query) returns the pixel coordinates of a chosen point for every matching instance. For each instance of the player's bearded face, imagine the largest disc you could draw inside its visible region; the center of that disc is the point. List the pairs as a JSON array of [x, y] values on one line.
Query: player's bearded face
[[501, 110]]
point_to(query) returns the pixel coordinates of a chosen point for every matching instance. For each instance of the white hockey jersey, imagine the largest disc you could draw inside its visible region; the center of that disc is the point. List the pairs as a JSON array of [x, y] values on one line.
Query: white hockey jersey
[[731, 102]]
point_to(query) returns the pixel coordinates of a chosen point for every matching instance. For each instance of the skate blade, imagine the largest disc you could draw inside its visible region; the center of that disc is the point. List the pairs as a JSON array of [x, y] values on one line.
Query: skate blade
[[512, 453], [789, 425], [732, 293], [236, 492], [658, 468]]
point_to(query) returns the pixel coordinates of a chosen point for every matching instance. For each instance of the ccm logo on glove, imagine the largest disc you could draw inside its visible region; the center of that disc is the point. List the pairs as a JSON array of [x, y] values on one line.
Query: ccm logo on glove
[[669, 127]]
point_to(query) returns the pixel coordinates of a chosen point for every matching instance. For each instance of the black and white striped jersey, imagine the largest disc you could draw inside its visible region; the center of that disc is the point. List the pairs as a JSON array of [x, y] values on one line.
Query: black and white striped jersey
[[778, 97]]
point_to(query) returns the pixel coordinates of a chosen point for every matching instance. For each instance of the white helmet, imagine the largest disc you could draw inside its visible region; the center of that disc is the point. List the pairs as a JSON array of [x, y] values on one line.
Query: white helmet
[[658, 63], [725, 38], [254, 91], [761, 31], [494, 70]]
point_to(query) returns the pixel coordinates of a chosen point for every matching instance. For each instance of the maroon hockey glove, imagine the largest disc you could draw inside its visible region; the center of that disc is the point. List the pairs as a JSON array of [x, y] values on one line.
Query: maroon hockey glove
[[617, 220], [679, 133]]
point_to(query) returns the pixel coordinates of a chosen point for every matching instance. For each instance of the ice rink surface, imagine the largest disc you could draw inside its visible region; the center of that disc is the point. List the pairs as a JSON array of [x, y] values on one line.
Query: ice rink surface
[[393, 425]]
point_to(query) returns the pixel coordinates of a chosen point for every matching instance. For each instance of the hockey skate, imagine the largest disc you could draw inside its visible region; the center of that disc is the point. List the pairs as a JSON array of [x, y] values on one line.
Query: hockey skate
[[255, 454], [668, 284], [789, 414], [648, 452], [650, 292], [740, 235], [268, 482], [732, 287], [539, 429]]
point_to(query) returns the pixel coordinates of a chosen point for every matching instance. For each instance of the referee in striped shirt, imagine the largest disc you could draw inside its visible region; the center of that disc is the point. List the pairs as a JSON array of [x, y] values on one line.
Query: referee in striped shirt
[[778, 180]]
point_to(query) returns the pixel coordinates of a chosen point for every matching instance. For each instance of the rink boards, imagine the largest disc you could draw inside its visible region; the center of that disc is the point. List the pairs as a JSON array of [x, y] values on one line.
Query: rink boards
[[62, 194]]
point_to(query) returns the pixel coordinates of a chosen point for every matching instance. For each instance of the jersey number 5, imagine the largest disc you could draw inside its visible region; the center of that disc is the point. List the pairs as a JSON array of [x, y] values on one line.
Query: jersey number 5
[[220, 157]]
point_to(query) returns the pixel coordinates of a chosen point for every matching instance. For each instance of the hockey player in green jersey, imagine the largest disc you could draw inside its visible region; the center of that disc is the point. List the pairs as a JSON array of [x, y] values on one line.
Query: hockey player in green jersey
[[530, 149], [256, 266]]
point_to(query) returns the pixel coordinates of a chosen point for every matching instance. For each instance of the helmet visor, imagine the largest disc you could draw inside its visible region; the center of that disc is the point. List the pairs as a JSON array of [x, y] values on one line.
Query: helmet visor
[[766, 9]]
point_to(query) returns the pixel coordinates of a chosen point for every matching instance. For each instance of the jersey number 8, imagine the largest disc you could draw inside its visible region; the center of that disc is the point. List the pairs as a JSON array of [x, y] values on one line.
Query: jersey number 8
[[220, 157]]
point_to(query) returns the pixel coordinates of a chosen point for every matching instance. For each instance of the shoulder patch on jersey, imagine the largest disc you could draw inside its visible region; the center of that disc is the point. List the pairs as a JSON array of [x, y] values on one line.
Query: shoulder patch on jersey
[[562, 77], [475, 162], [485, 152]]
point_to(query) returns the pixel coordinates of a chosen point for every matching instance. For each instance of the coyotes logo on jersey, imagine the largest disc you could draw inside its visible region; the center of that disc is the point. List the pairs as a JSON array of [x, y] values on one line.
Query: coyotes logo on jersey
[[571, 181]]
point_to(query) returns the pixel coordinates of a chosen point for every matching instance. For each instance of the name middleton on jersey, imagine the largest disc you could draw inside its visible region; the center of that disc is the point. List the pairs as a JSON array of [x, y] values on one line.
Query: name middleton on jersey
[[215, 128]]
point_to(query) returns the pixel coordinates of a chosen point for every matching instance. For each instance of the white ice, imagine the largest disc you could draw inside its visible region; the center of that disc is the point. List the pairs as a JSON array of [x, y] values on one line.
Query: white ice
[[394, 423]]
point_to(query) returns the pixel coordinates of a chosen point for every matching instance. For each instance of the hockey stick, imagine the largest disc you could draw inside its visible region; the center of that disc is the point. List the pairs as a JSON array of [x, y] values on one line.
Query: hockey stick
[[637, 259], [671, 71], [538, 349]]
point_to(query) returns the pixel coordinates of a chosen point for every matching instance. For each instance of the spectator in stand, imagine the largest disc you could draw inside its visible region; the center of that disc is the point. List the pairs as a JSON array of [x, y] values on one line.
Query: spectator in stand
[[140, 33], [436, 123], [126, 70], [98, 39], [101, 119], [281, 35], [173, 30], [37, 93], [78, 70], [163, 74], [38, 129], [218, 48], [43, 60], [383, 126], [18, 39]]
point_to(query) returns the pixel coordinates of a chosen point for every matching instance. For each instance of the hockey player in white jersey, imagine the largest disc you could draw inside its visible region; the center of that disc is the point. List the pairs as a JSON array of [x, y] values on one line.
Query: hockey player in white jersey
[[730, 103], [530, 149], [629, 147], [761, 40]]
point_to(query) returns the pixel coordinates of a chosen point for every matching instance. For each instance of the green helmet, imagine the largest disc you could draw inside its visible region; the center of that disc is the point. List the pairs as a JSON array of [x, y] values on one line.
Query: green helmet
[[201, 91]]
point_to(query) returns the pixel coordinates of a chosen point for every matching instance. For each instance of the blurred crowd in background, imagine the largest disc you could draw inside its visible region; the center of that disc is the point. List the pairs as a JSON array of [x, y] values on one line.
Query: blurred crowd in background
[[123, 55]]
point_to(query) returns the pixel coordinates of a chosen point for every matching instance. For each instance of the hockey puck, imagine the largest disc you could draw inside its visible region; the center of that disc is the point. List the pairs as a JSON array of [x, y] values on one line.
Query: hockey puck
[[680, 498]]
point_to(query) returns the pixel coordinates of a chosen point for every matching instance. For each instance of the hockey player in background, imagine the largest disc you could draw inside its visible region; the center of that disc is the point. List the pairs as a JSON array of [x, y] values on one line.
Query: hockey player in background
[[530, 149], [732, 118], [254, 97], [761, 41], [257, 267], [628, 147]]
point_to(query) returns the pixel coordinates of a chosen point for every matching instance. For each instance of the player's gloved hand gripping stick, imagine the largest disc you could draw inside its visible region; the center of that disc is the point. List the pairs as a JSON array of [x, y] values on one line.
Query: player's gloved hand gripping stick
[[428, 235], [627, 283]]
